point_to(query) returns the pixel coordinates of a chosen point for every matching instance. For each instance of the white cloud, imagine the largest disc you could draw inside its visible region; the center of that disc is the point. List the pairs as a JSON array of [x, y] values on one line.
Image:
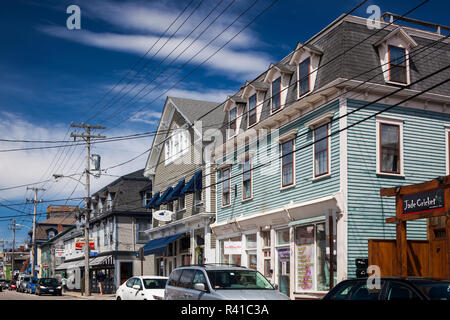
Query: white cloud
[[149, 117], [22, 167], [245, 63]]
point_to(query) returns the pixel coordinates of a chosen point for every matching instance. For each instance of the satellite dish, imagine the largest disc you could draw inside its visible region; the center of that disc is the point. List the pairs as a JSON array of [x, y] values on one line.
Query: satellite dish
[[163, 215]]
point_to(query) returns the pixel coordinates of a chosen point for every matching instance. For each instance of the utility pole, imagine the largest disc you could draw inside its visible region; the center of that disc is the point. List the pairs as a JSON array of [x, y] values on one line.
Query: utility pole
[[13, 227], [33, 236], [87, 137]]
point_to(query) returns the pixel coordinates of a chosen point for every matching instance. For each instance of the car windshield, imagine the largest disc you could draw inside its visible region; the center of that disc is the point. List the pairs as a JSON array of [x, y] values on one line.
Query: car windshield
[[155, 283], [48, 281], [435, 290], [238, 280]]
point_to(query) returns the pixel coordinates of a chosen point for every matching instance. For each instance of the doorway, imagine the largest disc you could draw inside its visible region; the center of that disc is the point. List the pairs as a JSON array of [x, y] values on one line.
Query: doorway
[[126, 271]]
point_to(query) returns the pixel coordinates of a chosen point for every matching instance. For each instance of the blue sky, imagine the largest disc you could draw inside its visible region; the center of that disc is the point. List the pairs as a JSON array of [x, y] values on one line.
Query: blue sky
[[51, 76]]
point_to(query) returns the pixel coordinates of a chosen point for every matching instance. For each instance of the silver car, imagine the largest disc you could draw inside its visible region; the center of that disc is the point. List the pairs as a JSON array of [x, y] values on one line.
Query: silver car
[[219, 282]]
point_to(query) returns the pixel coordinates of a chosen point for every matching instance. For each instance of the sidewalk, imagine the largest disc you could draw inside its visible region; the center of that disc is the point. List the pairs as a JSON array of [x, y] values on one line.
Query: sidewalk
[[93, 296]]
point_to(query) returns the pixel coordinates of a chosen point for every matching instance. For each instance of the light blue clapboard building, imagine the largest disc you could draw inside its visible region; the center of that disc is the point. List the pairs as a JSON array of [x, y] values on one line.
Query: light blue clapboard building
[[303, 145]]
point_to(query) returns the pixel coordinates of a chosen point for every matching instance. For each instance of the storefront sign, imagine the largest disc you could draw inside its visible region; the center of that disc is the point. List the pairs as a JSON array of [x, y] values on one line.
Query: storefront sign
[[284, 255], [163, 215], [59, 253], [232, 247], [79, 243], [423, 202], [305, 267]]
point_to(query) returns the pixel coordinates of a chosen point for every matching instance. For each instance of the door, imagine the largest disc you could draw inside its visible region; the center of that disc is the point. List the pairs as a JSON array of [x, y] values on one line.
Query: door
[[127, 290], [126, 271], [185, 286], [283, 257], [438, 263], [137, 294]]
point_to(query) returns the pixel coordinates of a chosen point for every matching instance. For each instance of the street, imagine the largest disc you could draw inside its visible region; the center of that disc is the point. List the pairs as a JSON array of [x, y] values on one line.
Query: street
[[14, 295]]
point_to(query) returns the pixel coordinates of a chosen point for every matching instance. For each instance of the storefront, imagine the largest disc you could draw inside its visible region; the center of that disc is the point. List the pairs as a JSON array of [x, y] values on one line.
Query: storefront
[[290, 246]]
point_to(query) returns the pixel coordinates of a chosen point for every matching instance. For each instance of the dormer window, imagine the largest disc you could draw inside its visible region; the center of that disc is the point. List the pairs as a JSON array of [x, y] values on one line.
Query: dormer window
[[232, 119], [304, 76], [252, 110], [276, 94], [397, 64]]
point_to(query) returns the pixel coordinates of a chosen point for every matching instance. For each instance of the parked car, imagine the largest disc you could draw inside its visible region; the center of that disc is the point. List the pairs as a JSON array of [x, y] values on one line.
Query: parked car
[[142, 288], [5, 284], [12, 285], [22, 286], [391, 288], [219, 282], [31, 285], [48, 286]]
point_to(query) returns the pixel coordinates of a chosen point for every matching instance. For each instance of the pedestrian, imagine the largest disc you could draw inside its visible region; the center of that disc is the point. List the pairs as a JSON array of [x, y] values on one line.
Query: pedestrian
[[64, 282], [100, 280]]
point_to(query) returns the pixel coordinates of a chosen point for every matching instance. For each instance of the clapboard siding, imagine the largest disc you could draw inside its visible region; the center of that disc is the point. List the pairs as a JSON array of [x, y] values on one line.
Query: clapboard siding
[[267, 179], [424, 159]]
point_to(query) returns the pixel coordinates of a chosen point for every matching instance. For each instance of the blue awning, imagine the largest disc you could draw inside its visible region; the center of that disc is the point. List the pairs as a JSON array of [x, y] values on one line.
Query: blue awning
[[163, 198], [176, 191], [194, 184], [159, 245], [151, 203]]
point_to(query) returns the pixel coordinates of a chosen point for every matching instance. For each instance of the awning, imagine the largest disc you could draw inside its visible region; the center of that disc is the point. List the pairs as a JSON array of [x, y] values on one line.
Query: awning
[[100, 260], [163, 199], [194, 184], [151, 203], [159, 245], [176, 192], [64, 266]]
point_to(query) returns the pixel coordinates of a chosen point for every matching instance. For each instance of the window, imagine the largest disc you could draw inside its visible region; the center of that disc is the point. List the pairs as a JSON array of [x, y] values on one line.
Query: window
[[181, 203], [199, 277], [176, 145], [174, 277], [252, 261], [141, 226], [198, 196], [226, 187], [252, 110], [362, 292], [399, 291], [247, 180], [287, 149], [397, 64], [320, 151], [147, 197], [389, 148], [276, 94], [304, 76], [170, 206], [232, 120], [186, 278]]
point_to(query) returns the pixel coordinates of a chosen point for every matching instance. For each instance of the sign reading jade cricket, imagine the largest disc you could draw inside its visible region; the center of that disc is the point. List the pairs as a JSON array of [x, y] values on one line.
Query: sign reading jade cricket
[[423, 202]]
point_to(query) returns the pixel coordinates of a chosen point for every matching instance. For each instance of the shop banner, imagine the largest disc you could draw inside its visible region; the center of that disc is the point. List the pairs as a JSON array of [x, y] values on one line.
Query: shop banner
[[59, 253], [232, 247], [79, 243], [423, 202]]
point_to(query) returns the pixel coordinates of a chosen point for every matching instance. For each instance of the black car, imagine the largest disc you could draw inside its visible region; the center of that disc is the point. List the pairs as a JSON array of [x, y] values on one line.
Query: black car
[[48, 286], [391, 288]]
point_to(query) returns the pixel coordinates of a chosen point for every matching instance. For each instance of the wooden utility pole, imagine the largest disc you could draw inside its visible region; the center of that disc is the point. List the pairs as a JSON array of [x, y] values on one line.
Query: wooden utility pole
[[13, 227], [87, 137], [33, 236]]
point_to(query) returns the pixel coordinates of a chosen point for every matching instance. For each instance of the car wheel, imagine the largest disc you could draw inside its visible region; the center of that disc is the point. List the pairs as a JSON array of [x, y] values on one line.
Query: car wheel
[[118, 298]]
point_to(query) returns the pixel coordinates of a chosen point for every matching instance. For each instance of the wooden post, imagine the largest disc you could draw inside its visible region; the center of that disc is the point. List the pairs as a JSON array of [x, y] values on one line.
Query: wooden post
[[401, 243]]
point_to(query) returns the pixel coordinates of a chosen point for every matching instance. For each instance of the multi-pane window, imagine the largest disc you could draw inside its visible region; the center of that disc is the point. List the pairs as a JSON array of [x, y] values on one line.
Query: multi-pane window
[[247, 180], [287, 149], [276, 94], [226, 187], [389, 148], [232, 121], [304, 76], [141, 226], [397, 64], [181, 203], [177, 145], [252, 110], [321, 150]]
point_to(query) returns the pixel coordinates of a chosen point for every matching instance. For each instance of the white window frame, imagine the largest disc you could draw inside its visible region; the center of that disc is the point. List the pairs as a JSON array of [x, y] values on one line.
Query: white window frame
[[179, 136], [314, 178], [294, 180], [229, 186], [251, 181], [447, 149], [389, 121]]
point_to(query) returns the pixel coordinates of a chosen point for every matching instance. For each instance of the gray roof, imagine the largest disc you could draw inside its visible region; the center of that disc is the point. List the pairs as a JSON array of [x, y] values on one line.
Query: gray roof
[[210, 113]]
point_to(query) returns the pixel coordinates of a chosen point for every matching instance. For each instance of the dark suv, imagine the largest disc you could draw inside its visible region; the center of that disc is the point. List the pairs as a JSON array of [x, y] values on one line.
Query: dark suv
[[391, 288], [48, 286]]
